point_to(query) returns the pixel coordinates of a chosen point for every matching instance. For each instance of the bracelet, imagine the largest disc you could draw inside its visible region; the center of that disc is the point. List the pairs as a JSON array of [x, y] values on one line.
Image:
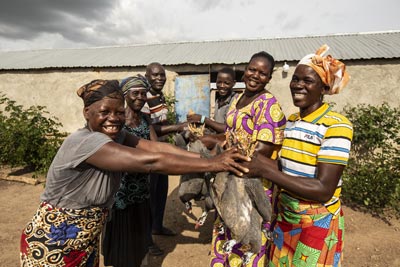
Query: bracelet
[[203, 118]]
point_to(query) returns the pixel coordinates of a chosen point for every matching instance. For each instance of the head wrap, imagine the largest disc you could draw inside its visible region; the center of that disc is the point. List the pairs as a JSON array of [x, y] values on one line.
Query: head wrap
[[332, 71], [97, 90], [134, 82]]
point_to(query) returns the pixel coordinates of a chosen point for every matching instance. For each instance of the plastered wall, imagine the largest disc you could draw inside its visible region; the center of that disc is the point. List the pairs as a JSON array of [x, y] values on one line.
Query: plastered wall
[[372, 82], [57, 90]]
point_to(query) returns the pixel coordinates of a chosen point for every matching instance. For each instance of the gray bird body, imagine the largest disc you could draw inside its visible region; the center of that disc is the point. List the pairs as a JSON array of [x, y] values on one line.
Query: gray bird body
[[242, 205], [241, 202], [195, 186]]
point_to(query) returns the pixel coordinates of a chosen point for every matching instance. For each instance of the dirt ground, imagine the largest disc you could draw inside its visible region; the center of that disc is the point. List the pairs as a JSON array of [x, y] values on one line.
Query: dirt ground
[[369, 242]]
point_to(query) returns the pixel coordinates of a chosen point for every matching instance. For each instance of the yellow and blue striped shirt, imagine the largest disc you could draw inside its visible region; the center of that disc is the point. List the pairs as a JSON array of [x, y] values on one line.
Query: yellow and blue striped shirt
[[323, 136]]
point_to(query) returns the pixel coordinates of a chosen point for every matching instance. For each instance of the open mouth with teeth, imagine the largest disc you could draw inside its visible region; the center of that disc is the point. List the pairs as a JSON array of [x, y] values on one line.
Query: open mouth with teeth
[[253, 83], [298, 95], [111, 129]]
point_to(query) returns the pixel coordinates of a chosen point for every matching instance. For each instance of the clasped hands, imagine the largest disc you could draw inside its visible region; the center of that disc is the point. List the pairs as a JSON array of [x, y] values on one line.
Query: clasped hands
[[244, 166]]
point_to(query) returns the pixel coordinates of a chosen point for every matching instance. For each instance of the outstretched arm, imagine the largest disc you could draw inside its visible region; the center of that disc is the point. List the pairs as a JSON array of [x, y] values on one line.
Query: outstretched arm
[[211, 140], [216, 126], [320, 189], [266, 148], [116, 157], [166, 129], [157, 147]]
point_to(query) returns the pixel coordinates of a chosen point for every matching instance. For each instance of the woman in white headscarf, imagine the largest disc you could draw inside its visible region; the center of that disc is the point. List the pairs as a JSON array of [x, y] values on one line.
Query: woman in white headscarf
[[309, 225], [127, 234]]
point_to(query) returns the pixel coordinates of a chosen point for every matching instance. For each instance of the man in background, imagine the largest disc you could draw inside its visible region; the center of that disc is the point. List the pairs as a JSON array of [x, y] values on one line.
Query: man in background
[[157, 108]]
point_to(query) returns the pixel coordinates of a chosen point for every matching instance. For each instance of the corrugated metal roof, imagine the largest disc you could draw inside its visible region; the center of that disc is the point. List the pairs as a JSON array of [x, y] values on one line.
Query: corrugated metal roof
[[343, 46]]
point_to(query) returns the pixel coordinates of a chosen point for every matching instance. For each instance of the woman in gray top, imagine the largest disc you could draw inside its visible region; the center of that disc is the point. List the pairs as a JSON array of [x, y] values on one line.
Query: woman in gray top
[[85, 174]]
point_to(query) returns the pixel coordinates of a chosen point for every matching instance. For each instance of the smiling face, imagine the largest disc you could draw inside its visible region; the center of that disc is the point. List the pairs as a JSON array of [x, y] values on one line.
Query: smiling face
[[225, 83], [106, 116], [155, 74], [307, 89], [257, 74], [136, 99]]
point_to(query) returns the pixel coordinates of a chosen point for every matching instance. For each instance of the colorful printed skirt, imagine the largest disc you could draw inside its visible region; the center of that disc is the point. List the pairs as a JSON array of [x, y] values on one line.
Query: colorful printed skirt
[[306, 234], [62, 237], [235, 259]]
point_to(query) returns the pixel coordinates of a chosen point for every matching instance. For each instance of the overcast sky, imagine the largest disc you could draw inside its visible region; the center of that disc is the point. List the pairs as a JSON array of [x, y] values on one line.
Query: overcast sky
[[47, 24]]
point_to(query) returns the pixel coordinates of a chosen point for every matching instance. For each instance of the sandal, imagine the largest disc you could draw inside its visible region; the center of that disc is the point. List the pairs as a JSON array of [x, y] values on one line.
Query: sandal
[[154, 250]]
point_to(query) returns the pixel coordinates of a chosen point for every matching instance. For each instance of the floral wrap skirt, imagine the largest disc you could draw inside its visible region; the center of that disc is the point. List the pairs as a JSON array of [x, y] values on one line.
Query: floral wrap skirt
[[306, 234], [62, 237]]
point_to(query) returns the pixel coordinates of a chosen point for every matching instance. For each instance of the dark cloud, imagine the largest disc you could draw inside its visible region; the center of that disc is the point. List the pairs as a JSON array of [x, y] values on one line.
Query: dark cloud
[[33, 24], [27, 19]]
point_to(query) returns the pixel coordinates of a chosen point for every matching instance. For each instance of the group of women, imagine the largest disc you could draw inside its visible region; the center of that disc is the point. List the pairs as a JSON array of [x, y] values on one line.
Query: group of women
[[300, 161]]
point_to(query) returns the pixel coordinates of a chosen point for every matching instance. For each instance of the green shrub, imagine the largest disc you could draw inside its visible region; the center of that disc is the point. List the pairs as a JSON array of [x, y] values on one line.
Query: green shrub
[[28, 137], [171, 115], [372, 178]]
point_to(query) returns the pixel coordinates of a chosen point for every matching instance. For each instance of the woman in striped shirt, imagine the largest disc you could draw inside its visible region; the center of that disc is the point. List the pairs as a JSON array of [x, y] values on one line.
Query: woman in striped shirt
[[309, 226]]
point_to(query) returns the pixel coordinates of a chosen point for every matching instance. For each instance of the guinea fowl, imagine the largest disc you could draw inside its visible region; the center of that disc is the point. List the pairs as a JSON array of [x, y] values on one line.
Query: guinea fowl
[[241, 203], [195, 186]]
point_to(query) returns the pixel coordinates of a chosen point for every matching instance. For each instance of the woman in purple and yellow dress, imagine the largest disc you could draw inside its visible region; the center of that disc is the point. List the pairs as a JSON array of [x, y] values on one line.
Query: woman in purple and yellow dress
[[255, 116], [309, 225]]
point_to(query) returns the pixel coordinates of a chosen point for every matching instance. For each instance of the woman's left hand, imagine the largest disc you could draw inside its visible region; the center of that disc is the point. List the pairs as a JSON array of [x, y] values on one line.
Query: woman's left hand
[[193, 118], [230, 161], [181, 126], [260, 165]]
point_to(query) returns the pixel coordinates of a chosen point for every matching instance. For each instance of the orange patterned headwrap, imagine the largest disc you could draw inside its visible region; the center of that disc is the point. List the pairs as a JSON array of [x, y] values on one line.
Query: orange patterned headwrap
[[332, 71]]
